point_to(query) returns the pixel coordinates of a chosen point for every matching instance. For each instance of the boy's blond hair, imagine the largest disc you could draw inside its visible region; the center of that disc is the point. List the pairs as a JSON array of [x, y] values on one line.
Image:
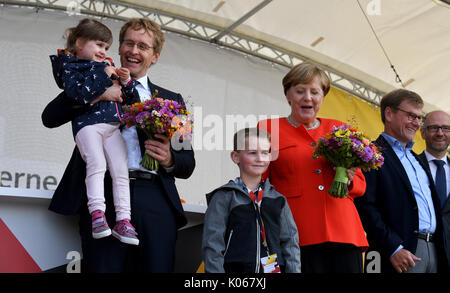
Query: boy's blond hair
[[241, 136]]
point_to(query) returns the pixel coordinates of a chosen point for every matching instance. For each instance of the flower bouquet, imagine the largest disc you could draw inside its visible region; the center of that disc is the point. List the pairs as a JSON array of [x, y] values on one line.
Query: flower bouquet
[[346, 147], [158, 116]]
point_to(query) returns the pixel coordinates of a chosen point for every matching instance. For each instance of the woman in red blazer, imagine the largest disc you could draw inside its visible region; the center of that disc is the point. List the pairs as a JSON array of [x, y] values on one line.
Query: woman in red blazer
[[330, 231]]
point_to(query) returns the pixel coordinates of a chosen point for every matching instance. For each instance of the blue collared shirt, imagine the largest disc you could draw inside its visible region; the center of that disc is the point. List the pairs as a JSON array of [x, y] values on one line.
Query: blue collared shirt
[[419, 182]]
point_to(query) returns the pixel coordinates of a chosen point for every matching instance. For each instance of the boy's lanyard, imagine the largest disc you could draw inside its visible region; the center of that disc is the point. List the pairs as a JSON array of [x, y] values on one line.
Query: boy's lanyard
[[257, 200]]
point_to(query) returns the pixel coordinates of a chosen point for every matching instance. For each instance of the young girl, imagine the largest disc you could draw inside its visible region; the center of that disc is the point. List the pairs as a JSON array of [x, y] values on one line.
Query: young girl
[[84, 75]]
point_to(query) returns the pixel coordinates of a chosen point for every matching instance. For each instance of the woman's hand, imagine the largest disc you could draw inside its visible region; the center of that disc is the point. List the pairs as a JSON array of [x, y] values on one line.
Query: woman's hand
[[350, 174]]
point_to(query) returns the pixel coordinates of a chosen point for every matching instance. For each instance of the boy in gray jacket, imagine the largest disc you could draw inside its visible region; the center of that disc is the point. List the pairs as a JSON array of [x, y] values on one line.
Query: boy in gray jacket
[[248, 225]]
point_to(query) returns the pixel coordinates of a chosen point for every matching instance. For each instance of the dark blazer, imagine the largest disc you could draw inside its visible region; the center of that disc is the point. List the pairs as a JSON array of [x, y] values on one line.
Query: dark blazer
[[71, 191], [445, 213], [388, 209]]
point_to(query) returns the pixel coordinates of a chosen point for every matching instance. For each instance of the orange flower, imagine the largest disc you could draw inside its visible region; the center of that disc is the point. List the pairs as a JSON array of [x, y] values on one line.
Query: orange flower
[[328, 136], [365, 141]]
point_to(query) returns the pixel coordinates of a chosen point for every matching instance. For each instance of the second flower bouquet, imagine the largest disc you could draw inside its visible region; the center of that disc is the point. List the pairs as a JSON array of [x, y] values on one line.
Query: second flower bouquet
[[158, 116], [346, 147]]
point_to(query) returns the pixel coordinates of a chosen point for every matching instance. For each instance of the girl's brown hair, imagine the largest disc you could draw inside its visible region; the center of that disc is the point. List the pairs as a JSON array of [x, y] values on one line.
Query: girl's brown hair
[[88, 29]]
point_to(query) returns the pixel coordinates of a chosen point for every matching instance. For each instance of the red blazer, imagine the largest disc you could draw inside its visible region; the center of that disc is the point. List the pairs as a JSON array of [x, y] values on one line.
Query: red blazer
[[305, 181]]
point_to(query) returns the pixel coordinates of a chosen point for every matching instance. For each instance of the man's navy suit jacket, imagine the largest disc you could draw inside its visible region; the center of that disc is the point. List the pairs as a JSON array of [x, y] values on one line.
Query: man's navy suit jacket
[[445, 213], [389, 210]]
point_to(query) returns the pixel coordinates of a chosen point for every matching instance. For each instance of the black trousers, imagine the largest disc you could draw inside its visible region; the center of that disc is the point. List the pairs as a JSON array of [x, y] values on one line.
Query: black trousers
[[154, 219], [331, 257]]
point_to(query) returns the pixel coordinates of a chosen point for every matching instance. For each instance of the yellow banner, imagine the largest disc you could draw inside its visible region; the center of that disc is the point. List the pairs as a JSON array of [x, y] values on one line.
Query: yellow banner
[[360, 114]]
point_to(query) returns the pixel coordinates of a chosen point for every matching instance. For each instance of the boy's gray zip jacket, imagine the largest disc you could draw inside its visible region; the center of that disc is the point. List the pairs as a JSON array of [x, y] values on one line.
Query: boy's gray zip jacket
[[232, 234]]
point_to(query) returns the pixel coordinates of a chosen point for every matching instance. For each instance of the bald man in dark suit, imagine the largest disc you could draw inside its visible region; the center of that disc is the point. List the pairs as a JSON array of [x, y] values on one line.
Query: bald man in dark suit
[[435, 131]]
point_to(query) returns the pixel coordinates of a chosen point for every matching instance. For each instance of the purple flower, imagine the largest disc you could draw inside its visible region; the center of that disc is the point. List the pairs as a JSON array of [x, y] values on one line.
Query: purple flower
[[142, 117], [368, 154], [356, 144]]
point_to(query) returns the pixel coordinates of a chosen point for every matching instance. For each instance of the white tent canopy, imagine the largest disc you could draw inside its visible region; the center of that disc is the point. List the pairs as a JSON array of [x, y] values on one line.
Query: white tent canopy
[[415, 35], [359, 40]]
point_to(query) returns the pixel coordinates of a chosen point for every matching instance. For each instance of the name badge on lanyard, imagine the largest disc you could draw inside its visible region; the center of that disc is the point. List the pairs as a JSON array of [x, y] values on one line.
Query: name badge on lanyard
[[269, 262]]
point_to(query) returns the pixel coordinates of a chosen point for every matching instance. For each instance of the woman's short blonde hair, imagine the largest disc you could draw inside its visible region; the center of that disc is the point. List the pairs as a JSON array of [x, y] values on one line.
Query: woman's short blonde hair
[[304, 73]]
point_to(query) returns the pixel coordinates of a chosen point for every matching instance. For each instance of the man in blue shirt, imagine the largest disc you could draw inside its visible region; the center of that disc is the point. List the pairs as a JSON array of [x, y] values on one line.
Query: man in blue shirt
[[435, 130], [399, 209]]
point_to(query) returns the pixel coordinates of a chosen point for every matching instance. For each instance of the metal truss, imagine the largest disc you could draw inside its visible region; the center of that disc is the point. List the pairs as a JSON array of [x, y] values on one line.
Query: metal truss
[[223, 37]]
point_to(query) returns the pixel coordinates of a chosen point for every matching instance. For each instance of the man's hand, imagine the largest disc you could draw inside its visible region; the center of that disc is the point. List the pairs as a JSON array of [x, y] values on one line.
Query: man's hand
[[112, 94], [160, 150], [403, 260]]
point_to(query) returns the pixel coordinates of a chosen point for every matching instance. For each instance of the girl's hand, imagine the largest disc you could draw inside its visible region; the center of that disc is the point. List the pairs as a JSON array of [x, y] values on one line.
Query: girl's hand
[[124, 73], [110, 70]]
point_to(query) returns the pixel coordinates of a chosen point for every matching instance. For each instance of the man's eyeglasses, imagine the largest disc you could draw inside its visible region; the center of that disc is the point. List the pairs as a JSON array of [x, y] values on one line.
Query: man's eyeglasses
[[435, 128], [411, 116], [141, 46]]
